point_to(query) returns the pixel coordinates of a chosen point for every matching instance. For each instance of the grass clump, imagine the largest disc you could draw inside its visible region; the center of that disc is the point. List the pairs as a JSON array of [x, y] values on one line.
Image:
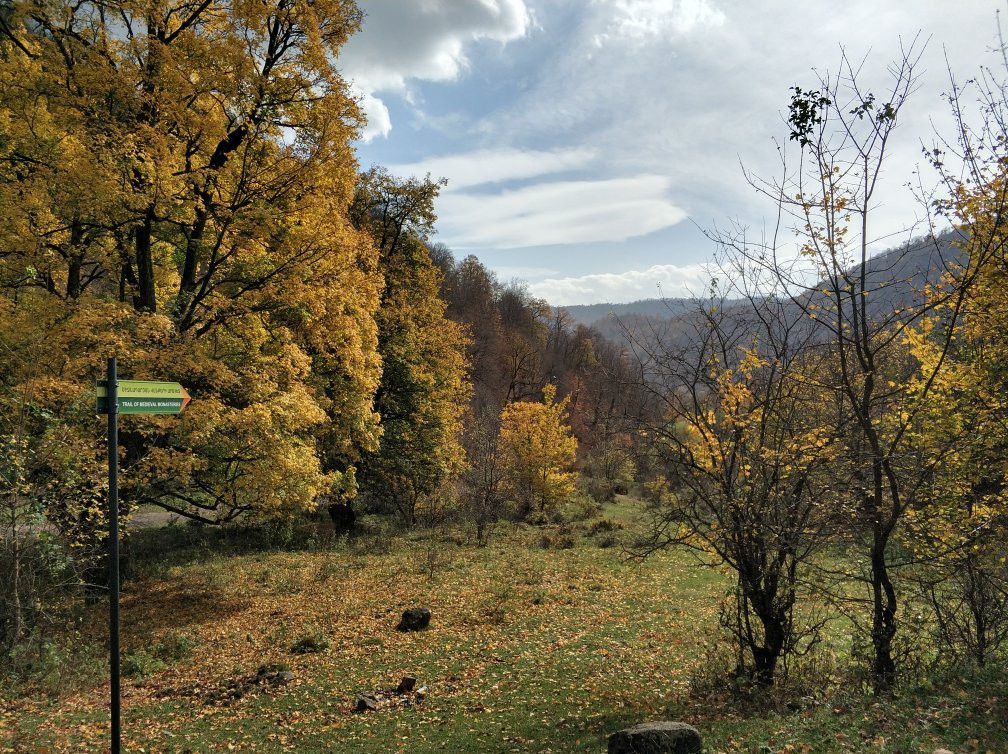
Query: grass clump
[[309, 644], [155, 658]]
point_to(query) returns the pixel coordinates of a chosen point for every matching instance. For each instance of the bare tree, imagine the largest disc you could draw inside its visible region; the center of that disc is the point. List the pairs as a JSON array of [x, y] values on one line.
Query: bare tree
[[844, 134], [483, 493], [744, 441]]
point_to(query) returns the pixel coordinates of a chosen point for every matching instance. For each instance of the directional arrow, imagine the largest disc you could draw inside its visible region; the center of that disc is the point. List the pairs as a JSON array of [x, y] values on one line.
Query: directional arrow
[[143, 397]]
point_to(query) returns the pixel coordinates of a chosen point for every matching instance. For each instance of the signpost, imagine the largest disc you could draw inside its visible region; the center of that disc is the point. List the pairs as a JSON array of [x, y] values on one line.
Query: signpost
[[116, 397], [143, 397]]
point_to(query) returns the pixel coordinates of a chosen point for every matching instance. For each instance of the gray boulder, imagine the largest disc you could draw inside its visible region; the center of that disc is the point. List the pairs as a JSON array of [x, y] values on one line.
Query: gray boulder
[[656, 738]]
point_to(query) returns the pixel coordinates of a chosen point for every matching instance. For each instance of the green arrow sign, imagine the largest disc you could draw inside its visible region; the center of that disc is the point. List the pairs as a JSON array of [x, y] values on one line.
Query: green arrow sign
[[143, 397]]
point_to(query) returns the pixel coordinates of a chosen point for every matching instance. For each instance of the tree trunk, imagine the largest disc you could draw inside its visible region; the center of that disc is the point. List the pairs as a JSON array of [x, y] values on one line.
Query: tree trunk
[[194, 241], [73, 288], [74, 261], [775, 630], [343, 516], [145, 299], [883, 615], [18, 617]]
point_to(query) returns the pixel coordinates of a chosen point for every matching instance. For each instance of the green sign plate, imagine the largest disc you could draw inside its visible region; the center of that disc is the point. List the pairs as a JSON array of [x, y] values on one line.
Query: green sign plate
[[143, 397]]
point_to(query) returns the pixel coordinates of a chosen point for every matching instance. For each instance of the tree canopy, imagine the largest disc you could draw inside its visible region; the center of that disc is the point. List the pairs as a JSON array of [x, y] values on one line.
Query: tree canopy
[[177, 178]]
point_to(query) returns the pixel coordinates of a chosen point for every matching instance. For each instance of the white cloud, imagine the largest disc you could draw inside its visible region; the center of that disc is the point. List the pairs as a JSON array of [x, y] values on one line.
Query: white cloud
[[666, 280], [422, 40], [693, 87], [510, 272], [639, 19], [561, 212], [487, 166], [379, 122]]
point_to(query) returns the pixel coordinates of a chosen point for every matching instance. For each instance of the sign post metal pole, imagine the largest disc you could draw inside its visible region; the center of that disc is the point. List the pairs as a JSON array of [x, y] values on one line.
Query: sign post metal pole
[[113, 552], [113, 397]]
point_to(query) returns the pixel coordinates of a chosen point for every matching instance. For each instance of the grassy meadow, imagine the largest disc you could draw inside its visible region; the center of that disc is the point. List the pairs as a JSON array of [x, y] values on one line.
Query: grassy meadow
[[547, 640]]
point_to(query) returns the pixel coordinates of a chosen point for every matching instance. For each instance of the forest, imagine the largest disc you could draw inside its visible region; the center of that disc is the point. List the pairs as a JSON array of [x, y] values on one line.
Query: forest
[[776, 511]]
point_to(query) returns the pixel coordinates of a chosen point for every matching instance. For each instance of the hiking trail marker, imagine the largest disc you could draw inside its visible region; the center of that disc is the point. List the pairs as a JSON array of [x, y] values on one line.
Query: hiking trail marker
[[143, 397], [114, 397]]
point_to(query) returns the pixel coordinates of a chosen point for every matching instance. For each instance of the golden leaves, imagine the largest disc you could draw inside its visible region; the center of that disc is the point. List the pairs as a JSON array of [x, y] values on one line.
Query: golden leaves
[[539, 449]]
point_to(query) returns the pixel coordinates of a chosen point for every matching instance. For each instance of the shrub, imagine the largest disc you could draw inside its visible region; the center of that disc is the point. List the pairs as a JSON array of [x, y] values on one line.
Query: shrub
[[54, 668], [582, 506], [560, 538], [145, 661], [140, 663], [315, 642], [174, 648], [604, 525]]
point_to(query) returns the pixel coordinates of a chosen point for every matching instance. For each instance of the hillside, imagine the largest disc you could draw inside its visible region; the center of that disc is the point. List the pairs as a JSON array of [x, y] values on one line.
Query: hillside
[[589, 314], [894, 276]]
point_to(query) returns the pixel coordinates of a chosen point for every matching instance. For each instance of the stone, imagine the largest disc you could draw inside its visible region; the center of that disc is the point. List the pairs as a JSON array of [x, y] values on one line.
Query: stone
[[406, 685], [414, 619], [365, 703], [942, 751], [656, 738], [273, 675]]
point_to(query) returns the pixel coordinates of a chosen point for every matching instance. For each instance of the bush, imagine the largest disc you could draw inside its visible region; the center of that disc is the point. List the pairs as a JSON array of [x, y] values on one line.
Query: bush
[[146, 661], [36, 575], [604, 525], [582, 506], [656, 491], [140, 663], [315, 642], [54, 668], [969, 604], [560, 538], [607, 540], [609, 470], [497, 603], [175, 648]]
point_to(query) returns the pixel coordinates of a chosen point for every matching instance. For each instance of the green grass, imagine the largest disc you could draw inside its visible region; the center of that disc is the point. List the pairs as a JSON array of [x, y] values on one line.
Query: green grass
[[529, 649]]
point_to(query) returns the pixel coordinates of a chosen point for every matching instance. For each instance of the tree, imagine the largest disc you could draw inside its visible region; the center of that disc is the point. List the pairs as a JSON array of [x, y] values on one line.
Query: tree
[[539, 451], [742, 436], [607, 404], [483, 479], [424, 388], [471, 293], [844, 133], [178, 178], [524, 334], [961, 532]]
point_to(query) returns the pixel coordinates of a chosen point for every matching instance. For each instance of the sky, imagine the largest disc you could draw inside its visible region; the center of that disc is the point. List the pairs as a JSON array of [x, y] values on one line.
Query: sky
[[589, 143]]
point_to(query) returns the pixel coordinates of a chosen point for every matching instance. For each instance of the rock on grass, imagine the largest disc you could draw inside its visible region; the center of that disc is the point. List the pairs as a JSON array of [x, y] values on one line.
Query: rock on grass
[[656, 738]]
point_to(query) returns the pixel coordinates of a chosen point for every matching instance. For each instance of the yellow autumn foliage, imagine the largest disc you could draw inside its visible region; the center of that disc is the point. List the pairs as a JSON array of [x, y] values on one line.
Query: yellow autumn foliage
[[175, 180], [538, 450]]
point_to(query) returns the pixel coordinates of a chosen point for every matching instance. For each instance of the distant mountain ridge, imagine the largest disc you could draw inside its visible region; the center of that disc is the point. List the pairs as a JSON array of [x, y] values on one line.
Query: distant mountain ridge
[[894, 276], [589, 314]]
